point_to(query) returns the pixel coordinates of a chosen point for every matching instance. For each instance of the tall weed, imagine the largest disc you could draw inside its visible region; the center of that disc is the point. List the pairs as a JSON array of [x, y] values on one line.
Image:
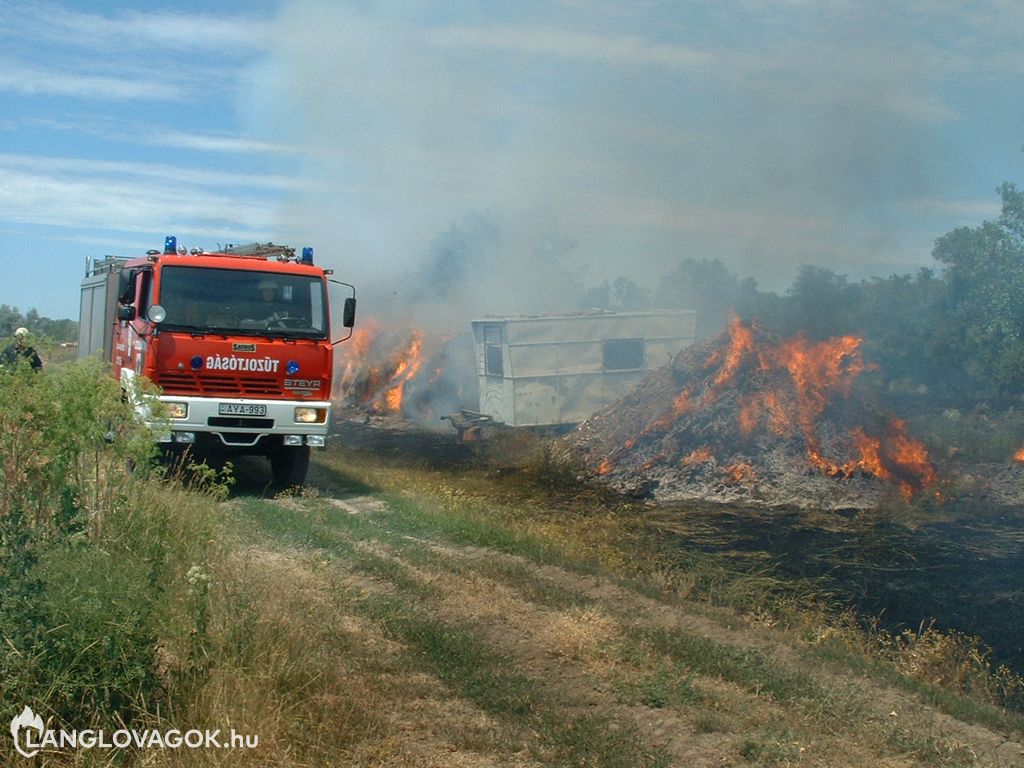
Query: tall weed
[[95, 551]]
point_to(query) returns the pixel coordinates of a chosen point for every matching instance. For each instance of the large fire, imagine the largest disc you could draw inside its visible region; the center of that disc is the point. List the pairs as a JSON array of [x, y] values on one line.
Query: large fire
[[396, 369], [378, 367], [794, 382]]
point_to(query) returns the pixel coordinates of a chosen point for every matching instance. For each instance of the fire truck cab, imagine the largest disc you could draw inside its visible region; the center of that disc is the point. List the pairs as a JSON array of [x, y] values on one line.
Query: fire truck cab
[[238, 341]]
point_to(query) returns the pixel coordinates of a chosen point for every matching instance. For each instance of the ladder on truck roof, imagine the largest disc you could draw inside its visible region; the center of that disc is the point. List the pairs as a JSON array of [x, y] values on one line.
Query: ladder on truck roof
[[97, 266], [261, 250]]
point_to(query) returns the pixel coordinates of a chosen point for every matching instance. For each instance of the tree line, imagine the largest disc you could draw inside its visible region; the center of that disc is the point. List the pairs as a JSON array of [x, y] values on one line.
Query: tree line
[[955, 333], [55, 330]]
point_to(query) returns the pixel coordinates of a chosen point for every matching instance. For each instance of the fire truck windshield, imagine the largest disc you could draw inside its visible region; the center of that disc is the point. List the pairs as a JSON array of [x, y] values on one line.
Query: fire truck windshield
[[213, 300]]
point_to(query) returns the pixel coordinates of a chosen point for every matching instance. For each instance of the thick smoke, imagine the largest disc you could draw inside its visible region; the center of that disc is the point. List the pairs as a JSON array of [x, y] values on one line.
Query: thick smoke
[[477, 162], [639, 140]]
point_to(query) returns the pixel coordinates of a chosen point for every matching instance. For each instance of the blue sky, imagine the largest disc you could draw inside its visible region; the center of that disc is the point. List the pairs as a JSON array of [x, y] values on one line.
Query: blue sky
[[612, 137]]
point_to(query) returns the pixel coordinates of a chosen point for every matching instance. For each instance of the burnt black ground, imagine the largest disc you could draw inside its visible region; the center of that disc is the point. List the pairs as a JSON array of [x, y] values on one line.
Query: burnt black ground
[[962, 572]]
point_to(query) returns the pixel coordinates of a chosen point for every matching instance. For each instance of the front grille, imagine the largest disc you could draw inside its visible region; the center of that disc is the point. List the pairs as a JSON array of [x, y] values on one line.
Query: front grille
[[227, 384], [239, 422]]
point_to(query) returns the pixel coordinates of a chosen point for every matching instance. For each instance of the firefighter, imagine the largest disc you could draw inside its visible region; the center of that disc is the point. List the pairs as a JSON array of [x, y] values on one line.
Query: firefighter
[[271, 312], [21, 350], [266, 287]]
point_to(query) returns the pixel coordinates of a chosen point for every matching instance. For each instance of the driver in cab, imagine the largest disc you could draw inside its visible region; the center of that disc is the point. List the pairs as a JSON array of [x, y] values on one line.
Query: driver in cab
[[270, 310]]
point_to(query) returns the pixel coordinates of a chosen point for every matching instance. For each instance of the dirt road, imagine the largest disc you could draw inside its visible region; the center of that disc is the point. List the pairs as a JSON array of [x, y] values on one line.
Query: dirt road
[[468, 644]]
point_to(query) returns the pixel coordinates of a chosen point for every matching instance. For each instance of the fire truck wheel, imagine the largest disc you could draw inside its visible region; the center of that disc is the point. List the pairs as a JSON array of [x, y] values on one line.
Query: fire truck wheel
[[289, 465]]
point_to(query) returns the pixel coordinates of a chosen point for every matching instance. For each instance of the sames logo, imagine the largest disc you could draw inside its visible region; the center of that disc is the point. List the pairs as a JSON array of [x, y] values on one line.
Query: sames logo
[[21, 728]]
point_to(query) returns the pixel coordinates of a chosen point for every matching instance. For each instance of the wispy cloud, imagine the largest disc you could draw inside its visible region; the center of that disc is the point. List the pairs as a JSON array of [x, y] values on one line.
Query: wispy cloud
[[19, 78], [226, 144], [123, 56], [147, 172], [78, 202], [157, 31], [76, 194]]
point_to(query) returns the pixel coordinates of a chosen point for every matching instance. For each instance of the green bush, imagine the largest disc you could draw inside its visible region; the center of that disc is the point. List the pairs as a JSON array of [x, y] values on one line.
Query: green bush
[[66, 437], [95, 548]]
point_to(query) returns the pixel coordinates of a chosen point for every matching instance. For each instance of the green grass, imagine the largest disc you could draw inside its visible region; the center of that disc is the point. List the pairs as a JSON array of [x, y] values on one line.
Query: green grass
[[950, 702], [745, 667], [330, 529], [660, 685], [427, 504], [520, 576], [470, 667], [453, 652]]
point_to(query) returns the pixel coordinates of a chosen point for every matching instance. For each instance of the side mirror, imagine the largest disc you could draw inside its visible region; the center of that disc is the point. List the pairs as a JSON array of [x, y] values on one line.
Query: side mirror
[[124, 285], [126, 312], [348, 314]]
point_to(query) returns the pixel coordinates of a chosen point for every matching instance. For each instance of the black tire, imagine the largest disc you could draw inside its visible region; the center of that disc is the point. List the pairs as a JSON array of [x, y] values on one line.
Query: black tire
[[289, 465]]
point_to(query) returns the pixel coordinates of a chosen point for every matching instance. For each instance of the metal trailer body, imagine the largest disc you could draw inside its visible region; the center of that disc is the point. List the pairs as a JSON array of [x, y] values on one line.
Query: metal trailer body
[[96, 310], [544, 370]]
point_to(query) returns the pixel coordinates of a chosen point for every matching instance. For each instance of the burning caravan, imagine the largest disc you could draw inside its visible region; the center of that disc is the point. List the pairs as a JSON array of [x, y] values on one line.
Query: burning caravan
[[544, 370]]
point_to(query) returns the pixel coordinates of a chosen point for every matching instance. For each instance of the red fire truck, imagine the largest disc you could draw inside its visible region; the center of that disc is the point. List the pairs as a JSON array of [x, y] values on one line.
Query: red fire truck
[[238, 341]]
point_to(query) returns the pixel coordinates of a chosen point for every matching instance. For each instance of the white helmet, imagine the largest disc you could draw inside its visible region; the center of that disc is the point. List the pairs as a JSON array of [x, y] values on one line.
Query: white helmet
[[21, 332]]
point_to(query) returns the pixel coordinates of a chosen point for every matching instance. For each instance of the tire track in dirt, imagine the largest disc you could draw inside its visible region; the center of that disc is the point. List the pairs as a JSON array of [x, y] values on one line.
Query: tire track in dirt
[[573, 653], [418, 722]]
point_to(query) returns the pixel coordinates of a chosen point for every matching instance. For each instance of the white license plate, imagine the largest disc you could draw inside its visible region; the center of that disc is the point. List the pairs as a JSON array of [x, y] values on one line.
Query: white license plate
[[241, 409]]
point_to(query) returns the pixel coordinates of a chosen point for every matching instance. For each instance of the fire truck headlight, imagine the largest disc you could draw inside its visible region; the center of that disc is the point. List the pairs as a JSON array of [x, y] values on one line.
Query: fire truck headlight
[[177, 410], [310, 415]]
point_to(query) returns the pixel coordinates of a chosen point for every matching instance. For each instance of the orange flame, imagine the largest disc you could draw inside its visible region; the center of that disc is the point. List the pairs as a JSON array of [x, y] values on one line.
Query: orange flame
[[750, 414], [698, 456], [605, 467], [741, 344], [375, 378], [682, 404], [1019, 455], [739, 472], [870, 455], [408, 365], [910, 457]]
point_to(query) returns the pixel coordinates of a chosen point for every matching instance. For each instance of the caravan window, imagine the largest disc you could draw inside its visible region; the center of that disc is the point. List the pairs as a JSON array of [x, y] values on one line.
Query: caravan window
[[493, 358], [623, 354]]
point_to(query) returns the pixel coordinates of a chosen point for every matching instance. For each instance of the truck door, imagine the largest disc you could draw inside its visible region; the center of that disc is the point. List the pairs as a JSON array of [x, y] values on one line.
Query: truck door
[[133, 327]]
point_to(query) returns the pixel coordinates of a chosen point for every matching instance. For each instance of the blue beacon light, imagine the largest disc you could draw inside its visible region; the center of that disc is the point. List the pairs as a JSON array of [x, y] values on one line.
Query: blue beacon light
[[170, 244], [307, 255], [196, 362], [292, 367]]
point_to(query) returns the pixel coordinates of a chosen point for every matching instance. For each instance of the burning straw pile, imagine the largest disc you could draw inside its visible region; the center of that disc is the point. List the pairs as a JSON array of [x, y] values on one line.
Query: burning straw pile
[[401, 371], [747, 416]]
